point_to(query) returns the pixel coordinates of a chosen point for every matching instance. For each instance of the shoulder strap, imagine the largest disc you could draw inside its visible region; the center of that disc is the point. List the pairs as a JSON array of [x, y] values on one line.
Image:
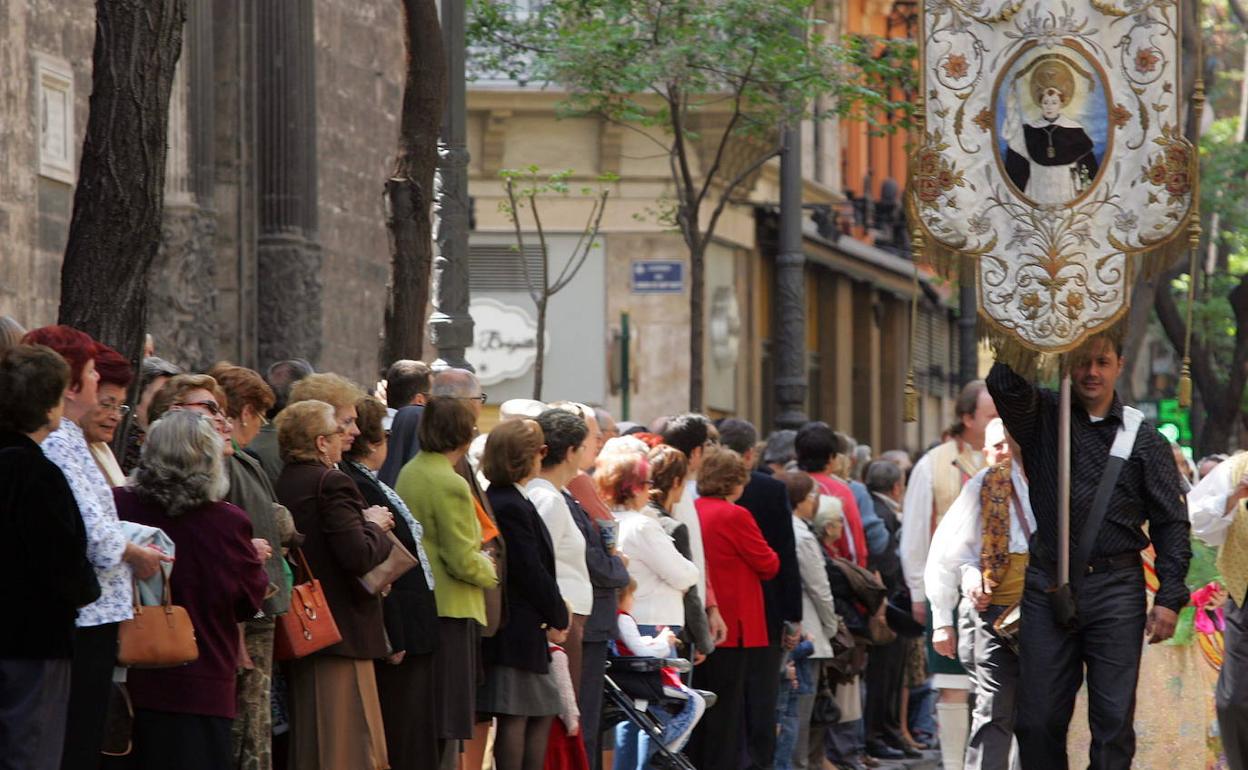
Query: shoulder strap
[[1124, 442]]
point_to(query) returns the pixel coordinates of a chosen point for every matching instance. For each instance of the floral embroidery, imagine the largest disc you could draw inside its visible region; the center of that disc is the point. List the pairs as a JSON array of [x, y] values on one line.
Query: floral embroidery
[[1146, 60], [1171, 168], [955, 66], [983, 119], [994, 500], [1119, 115], [935, 175]]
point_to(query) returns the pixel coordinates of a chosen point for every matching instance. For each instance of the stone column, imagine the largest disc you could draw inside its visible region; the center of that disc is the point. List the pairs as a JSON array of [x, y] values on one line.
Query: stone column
[[289, 284], [182, 287], [450, 326]]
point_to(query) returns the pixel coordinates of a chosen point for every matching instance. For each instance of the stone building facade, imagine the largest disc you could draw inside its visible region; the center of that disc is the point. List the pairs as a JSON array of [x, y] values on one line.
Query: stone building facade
[[283, 124]]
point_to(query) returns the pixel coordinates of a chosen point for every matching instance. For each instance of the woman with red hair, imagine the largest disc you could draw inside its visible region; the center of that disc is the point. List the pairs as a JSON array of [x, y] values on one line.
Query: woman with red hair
[[113, 556], [100, 424], [661, 573]]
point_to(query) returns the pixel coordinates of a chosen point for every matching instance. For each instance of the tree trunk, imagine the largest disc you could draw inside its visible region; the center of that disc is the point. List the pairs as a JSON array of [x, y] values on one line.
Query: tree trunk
[[539, 365], [409, 191], [115, 228], [697, 334], [1143, 296]]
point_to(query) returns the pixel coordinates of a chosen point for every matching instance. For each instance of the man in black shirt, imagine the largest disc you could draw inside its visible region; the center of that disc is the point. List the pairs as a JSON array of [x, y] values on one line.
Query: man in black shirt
[[1111, 595]]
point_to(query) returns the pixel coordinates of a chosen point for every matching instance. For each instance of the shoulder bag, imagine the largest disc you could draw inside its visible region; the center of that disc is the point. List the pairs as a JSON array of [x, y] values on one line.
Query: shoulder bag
[[156, 637], [400, 561], [309, 626]]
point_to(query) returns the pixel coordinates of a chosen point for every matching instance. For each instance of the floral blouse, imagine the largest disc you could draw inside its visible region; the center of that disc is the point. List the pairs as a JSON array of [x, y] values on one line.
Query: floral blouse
[[67, 447]]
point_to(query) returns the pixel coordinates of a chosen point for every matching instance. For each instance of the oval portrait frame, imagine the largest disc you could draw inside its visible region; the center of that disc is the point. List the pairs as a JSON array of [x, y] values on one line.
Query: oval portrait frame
[[1078, 51]]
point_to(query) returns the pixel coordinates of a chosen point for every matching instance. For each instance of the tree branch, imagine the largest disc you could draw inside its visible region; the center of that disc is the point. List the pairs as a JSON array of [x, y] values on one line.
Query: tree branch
[[514, 210]]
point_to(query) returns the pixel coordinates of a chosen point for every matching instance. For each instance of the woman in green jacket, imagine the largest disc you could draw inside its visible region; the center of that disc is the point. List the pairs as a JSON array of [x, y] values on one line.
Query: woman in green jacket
[[441, 501]]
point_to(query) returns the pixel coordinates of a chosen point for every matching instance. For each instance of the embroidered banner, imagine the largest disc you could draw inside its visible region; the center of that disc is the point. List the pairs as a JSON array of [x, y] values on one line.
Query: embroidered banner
[[1052, 154]]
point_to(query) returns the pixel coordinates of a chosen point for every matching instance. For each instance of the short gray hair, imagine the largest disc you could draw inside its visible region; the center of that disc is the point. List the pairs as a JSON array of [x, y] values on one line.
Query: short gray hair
[[456, 383], [882, 476], [181, 467]]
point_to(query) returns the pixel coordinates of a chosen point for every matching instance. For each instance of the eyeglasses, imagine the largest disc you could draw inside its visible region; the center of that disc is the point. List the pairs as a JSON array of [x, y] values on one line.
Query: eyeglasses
[[264, 421], [480, 398], [209, 406], [121, 409]]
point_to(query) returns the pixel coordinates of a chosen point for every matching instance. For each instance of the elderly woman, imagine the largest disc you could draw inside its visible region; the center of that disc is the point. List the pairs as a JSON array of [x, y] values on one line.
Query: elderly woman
[[197, 393], [663, 575], [335, 712], [100, 424], [153, 375], [819, 619], [519, 688], [39, 510], [405, 679], [441, 501], [738, 560], [247, 398], [183, 715]]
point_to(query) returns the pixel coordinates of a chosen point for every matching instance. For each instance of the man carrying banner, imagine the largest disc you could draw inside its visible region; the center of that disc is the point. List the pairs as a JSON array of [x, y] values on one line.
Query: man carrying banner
[[1217, 509], [1122, 475]]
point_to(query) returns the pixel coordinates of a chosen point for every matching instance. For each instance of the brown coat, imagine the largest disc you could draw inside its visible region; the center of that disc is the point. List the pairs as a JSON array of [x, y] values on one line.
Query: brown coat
[[340, 546]]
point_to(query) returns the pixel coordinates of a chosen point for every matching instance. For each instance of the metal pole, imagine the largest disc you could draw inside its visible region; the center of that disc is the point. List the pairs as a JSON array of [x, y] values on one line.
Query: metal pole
[[790, 295], [1063, 483], [450, 325], [625, 384]]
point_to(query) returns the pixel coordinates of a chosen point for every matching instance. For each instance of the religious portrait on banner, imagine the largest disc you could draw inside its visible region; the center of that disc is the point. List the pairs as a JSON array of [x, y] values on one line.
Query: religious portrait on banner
[[1053, 155]]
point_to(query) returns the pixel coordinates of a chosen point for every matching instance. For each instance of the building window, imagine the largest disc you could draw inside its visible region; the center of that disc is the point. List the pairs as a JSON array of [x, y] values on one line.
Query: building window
[[54, 92]]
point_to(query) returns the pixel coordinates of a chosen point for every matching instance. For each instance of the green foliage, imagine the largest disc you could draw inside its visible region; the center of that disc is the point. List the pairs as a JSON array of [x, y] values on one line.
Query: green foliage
[[653, 63]]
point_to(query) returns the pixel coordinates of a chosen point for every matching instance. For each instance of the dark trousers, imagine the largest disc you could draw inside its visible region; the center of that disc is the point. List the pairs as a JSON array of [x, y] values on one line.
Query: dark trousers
[[1231, 696], [1052, 662], [163, 740], [91, 681], [714, 745], [762, 691], [885, 671], [593, 667], [996, 687], [34, 697]]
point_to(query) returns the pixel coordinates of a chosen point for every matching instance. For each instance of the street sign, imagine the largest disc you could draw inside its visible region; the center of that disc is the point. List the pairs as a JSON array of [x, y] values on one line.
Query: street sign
[[658, 276]]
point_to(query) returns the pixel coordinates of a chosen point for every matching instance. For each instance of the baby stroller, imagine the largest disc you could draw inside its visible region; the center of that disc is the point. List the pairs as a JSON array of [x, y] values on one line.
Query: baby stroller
[[632, 684]]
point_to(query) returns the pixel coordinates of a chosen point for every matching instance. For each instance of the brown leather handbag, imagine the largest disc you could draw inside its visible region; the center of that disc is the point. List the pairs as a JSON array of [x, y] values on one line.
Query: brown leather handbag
[[157, 637], [400, 561], [309, 626]]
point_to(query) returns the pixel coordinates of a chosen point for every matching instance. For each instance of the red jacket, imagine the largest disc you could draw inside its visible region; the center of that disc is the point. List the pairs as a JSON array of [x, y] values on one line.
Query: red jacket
[[853, 520], [738, 560]]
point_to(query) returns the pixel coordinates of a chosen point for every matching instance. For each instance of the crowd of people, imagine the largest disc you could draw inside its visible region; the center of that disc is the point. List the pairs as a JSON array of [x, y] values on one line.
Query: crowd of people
[[835, 606]]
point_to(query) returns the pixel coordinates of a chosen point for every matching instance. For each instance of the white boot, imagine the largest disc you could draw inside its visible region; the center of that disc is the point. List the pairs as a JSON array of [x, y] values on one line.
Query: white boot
[[955, 725]]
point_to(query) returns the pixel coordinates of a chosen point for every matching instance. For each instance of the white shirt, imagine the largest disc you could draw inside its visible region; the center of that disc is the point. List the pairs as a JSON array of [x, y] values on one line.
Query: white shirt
[[570, 571], [687, 513], [106, 542], [915, 529], [954, 559], [640, 646], [662, 574], [1206, 505]]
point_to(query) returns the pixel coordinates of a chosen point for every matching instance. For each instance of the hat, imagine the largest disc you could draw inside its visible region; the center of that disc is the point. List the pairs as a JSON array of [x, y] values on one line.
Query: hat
[[520, 408]]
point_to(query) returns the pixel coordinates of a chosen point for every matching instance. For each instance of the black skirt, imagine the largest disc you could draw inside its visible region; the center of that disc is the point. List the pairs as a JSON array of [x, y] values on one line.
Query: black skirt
[[164, 740], [456, 674], [409, 711]]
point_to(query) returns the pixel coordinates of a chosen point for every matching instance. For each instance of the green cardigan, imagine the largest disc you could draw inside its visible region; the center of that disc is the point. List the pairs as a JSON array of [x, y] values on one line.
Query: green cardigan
[[441, 501]]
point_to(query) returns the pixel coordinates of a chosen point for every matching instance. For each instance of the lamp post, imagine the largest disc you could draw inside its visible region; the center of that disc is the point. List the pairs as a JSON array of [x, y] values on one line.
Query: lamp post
[[450, 325], [791, 383]]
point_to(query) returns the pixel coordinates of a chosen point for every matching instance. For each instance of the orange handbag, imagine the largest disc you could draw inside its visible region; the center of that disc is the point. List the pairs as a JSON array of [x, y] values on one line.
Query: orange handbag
[[309, 626], [157, 637]]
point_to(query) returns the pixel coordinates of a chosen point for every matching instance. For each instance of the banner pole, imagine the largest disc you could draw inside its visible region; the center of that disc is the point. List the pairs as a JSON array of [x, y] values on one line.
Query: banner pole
[[1063, 483]]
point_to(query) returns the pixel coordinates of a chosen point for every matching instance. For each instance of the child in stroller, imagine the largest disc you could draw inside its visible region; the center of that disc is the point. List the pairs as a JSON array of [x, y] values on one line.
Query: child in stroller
[[630, 642]]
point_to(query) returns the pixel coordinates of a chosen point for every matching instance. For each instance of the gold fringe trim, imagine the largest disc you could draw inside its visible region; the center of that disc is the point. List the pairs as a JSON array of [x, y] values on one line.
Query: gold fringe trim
[[1029, 362]]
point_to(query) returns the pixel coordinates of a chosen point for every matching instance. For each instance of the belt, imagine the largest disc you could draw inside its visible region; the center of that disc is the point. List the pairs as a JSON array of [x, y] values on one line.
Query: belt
[[1103, 564]]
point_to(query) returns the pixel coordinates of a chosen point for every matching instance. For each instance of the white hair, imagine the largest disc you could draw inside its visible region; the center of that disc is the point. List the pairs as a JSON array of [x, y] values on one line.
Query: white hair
[[181, 467]]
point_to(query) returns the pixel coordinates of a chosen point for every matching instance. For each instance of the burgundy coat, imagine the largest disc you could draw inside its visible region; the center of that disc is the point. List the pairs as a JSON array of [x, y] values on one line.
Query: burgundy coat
[[220, 581]]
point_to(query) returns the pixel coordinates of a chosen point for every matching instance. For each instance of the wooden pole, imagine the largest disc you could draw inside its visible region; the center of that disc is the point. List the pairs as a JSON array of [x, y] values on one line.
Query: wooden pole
[[1063, 483]]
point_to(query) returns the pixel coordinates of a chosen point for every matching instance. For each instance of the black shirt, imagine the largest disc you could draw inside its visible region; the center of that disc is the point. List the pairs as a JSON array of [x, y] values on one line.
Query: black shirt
[[1148, 489]]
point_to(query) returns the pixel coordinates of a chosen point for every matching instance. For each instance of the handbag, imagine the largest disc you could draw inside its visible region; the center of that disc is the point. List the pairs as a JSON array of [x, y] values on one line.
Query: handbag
[[400, 561], [309, 625], [159, 636]]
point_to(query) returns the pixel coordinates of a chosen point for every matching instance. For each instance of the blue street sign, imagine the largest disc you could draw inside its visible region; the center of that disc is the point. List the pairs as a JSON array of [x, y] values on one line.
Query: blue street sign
[[658, 276]]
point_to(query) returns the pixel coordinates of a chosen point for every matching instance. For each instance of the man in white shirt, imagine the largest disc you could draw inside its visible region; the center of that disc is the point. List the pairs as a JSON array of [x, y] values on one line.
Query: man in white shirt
[[1217, 512], [935, 482], [979, 551]]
